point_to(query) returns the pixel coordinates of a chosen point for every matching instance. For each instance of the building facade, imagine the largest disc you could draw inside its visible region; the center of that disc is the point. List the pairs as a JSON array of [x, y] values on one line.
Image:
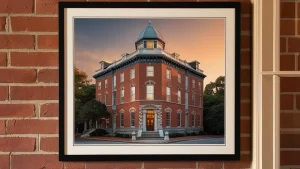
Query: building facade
[[151, 89]]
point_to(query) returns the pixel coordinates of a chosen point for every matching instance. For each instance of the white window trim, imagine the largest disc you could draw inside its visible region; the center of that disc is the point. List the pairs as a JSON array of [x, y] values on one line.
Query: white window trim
[[147, 71], [106, 83], [122, 113], [131, 118], [122, 91], [179, 113], [169, 70], [179, 91], [122, 78], [147, 91], [99, 85], [168, 110], [179, 78], [132, 75], [193, 121], [131, 93], [168, 95]]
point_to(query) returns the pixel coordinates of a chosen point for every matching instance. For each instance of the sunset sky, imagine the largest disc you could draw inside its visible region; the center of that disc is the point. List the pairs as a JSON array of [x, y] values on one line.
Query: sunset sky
[[194, 39]]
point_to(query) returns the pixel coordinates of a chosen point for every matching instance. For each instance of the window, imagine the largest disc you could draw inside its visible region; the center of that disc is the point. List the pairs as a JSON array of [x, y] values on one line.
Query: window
[[199, 119], [178, 119], [105, 83], [99, 85], [115, 81], [132, 93], [155, 44], [168, 119], [200, 101], [122, 95], [132, 73], [193, 83], [193, 120], [179, 97], [168, 74], [193, 99], [106, 98], [122, 77], [99, 97], [186, 82], [179, 78], [122, 119], [150, 92], [145, 44], [150, 44], [168, 94], [132, 119], [199, 86], [150, 70]]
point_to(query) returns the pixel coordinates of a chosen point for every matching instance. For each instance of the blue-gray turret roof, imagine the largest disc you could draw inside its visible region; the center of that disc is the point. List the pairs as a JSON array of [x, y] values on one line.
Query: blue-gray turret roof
[[149, 33]]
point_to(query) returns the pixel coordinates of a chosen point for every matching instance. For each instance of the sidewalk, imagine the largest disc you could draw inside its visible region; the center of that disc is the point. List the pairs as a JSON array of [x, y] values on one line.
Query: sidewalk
[[128, 140]]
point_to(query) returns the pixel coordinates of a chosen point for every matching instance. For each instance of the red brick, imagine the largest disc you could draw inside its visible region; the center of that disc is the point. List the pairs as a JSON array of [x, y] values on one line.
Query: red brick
[[169, 164], [34, 92], [245, 42], [74, 165], [49, 110], [48, 42], [287, 62], [113, 165], [49, 144], [289, 120], [245, 143], [19, 144], [32, 127], [3, 59], [245, 58], [2, 23], [245, 162], [3, 93], [35, 161], [2, 127], [17, 110], [287, 27], [34, 59], [16, 41], [17, 76], [245, 76], [298, 102], [283, 44], [245, 92], [34, 24], [50, 6], [48, 75], [293, 44], [287, 9], [4, 161], [290, 141], [210, 165], [290, 84], [245, 126], [17, 6], [245, 24], [245, 109], [286, 102], [289, 158]]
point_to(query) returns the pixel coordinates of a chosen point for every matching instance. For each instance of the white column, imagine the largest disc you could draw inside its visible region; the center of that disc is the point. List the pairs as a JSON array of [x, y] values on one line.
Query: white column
[[144, 120], [155, 120]]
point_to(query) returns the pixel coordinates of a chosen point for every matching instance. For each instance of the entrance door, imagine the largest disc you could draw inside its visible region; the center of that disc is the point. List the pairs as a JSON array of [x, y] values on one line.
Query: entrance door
[[150, 120]]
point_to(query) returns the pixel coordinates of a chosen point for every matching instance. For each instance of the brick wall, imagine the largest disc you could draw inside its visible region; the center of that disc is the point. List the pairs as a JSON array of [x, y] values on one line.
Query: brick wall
[[290, 86], [29, 92]]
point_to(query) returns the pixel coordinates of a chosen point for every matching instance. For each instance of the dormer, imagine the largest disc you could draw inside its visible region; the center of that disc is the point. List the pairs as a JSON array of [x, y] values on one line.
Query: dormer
[[150, 38], [103, 65], [194, 64]]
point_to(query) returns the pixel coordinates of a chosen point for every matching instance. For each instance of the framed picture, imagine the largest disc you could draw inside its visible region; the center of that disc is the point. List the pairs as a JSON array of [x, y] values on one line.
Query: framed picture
[[149, 81]]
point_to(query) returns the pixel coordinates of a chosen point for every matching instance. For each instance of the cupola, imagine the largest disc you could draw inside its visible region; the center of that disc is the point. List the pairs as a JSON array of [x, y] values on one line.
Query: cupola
[[149, 38]]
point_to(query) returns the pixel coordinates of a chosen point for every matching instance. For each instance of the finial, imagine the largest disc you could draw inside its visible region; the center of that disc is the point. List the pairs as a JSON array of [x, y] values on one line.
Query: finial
[[149, 22]]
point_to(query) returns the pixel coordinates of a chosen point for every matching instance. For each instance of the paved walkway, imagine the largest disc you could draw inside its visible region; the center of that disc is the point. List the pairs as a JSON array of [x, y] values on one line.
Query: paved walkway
[[176, 139]]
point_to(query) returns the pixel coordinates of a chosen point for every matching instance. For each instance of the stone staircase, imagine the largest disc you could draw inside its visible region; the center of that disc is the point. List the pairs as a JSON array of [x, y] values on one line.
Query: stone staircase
[[150, 135]]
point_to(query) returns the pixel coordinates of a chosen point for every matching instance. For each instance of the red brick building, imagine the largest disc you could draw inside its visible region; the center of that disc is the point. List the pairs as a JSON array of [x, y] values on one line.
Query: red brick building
[[151, 89]]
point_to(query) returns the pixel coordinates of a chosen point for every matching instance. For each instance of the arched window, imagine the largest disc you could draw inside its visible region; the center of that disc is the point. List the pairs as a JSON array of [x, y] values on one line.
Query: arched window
[[179, 118], [168, 94], [132, 117], [193, 119], [121, 118], [168, 117]]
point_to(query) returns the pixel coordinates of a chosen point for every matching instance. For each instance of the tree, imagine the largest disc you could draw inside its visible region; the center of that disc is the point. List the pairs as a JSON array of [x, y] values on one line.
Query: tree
[[214, 106]]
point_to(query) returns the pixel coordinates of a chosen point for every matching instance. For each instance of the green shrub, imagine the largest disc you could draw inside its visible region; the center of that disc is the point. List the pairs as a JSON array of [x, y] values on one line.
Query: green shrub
[[126, 136], [201, 132], [98, 132], [193, 134]]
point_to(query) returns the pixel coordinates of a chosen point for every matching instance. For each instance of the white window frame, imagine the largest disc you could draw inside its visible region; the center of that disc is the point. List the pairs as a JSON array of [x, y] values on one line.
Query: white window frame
[[122, 77], [115, 81], [132, 119], [99, 85], [132, 73], [169, 74], [122, 120], [179, 118], [168, 97], [179, 77], [149, 73], [122, 95], [168, 120], [193, 83], [106, 83], [106, 99], [132, 93], [193, 119], [179, 96], [148, 92]]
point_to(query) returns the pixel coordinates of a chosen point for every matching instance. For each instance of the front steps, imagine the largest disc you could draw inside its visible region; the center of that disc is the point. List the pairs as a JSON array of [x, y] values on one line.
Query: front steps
[[150, 135]]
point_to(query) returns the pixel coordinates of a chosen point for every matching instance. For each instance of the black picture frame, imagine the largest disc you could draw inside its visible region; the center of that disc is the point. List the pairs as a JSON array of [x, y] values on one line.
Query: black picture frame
[[125, 157]]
